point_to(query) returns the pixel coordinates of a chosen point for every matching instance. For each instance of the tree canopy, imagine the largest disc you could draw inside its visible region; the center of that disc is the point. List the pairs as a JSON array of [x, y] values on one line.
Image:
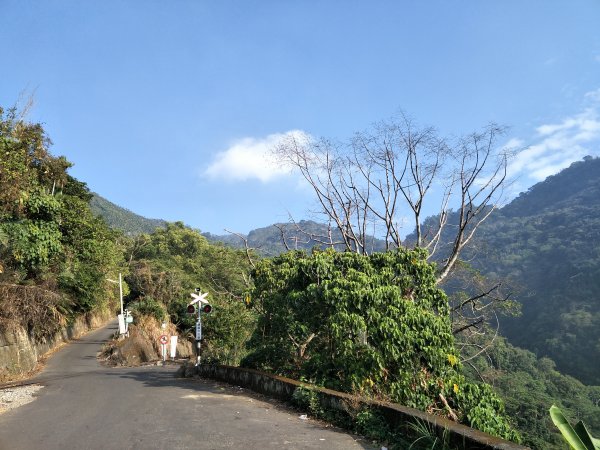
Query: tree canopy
[[547, 241], [366, 186], [55, 254], [167, 265]]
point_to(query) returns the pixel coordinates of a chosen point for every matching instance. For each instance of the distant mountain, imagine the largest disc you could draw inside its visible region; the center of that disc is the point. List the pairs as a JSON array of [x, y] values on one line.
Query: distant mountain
[[266, 240], [123, 219], [548, 241], [303, 235]]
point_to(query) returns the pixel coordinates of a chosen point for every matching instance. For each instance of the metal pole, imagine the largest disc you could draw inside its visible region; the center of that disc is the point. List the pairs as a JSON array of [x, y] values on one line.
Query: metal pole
[[198, 337], [121, 292]]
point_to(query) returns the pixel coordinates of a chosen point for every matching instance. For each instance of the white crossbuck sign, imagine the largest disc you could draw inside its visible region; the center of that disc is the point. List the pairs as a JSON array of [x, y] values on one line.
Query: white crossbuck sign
[[199, 298]]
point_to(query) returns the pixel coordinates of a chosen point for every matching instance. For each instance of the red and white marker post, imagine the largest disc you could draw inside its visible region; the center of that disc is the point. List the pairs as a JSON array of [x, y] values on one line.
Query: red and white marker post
[[163, 342]]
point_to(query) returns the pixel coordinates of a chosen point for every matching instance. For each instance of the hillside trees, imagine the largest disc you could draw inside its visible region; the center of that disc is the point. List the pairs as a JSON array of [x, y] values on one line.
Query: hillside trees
[[129, 223], [54, 253], [529, 386], [167, 265], [548, 241], [92, 252]]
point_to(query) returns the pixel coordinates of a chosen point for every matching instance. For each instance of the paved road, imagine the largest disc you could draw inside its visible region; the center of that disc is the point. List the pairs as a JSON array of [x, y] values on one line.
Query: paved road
[[88, 406]]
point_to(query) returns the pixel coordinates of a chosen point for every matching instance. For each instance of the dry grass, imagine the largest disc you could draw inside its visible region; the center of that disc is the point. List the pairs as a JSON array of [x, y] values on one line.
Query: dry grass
[[38, 309]]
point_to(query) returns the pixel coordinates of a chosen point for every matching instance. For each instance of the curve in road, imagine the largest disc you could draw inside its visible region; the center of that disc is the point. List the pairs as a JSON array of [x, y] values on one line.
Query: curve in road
[[85, 405]]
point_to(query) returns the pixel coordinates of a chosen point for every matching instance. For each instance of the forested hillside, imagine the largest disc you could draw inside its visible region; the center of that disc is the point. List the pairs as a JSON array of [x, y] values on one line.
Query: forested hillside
[[122, 219], [547, 241], [529, 386]]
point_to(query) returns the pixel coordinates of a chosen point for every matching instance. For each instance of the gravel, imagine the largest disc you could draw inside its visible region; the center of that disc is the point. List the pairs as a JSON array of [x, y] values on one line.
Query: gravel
[[14, 397]]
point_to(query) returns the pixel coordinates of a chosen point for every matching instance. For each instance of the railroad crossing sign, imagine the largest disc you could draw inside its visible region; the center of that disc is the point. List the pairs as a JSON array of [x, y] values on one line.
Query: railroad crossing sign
[[164, 339], [202, 307], [199, 298]]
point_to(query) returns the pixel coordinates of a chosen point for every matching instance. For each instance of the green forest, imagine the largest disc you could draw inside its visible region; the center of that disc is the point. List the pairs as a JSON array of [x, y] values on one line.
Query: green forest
[[546, 243], [376, 325], [55, 254]]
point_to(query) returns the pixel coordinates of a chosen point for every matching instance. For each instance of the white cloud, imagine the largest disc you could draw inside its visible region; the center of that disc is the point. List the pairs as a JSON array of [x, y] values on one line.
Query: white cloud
[[557, 145], [513, 144], [250, 158], [593, 96]]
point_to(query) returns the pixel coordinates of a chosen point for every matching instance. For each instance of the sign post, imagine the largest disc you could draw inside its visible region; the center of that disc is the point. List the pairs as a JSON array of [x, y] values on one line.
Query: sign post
[[199, 298], [198, 329], [163, 342], [122, 330], [198, 337], [128, 319]]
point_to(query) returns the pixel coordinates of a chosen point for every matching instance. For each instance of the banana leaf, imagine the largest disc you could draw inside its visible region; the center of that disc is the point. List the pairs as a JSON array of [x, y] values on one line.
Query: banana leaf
[[579, 437]]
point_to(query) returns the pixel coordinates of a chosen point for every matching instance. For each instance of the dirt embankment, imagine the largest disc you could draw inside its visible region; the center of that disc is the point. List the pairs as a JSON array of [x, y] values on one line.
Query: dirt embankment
[[142, 345]]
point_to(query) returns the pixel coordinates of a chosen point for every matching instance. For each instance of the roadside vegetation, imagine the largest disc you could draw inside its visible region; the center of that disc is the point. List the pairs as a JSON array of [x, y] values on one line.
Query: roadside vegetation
[[167, 265], [373, 325], [55, 254]]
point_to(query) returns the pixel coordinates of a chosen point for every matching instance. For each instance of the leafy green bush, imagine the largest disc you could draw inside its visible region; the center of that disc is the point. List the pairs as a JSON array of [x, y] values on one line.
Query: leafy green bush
[[373, 424], [374, 325], [49, 238], [305, 397], [150, 307]]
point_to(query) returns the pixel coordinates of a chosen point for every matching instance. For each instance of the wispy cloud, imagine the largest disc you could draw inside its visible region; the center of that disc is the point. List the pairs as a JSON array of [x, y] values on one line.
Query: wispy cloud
[[557, 145], [251, 158]]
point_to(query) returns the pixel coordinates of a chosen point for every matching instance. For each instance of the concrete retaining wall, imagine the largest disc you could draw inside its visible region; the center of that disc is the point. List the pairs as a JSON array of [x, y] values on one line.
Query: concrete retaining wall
[[19, 353], [396, 415]]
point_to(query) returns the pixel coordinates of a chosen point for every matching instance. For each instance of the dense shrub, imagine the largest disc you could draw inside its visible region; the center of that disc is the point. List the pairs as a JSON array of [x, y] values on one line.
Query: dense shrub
[[375, 325]]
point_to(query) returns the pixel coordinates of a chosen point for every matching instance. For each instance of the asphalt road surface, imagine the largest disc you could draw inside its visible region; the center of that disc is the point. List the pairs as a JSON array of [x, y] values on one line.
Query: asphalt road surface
[[85, 405]]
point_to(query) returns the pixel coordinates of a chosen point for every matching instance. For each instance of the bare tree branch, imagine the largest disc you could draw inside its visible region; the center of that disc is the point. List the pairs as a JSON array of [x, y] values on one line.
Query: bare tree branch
[[398, 170], [246, 247]]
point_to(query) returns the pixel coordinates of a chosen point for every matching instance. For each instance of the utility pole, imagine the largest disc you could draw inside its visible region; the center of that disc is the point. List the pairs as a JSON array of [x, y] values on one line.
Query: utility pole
[[121, 291], [123, 328]]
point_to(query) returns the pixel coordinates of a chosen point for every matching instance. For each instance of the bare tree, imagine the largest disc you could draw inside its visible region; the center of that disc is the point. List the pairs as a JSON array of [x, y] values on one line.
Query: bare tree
[[480, 171], [396, 170], [249, 250], [328, 171]]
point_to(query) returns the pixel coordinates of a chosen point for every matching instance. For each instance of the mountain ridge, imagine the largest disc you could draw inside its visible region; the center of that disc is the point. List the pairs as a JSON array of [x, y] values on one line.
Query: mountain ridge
[[123, 219], [548, 240]]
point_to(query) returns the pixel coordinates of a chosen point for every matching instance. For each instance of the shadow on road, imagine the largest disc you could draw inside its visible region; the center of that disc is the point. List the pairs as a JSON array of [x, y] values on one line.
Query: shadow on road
[[194, 388]]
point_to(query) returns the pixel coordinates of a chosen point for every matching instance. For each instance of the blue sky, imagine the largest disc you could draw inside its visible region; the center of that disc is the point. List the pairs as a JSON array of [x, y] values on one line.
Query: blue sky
[[166, 107]]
